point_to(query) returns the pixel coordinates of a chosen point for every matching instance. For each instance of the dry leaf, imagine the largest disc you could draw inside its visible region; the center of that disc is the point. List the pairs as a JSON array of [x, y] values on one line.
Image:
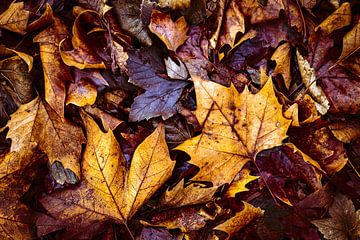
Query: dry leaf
[[346, 131], [351, 42], [56, 73], [220, 8], [15, 18], [338, 19], [344, 223], [240, 220], [81, 56], [46, 18], [352, 63], [108, 121], [282, 58], [309, 79], [239, 183], [173, 34], [175, 4], [108, 191], [174, 70], [236, 126], [4, 51], [259, 13]]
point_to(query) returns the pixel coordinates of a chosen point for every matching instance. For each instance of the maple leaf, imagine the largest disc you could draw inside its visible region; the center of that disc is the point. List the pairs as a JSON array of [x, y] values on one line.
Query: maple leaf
[[15, 18], [36, 125], [82, 56], [239, 183], [236, 126], [173, 34], [56, 73], [160, 96], [108, 191], [344, 222]]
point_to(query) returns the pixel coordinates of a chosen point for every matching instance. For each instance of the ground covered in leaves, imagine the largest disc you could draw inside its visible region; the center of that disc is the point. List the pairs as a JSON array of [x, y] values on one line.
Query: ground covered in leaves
[[201, 119]]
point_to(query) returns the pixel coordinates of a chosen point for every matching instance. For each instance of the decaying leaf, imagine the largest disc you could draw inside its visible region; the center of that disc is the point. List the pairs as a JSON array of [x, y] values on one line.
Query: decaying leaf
[[236, 126], [240, 220], [36, 124], [108, 191], [338, 19], [15, 18], [173, 34], [56, 73], [309, 79], [344, 222]]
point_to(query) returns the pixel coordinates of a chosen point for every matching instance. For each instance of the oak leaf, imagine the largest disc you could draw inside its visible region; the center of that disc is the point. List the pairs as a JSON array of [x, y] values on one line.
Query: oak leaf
[[173, 34], [236, 126], [344, 222], [36, 125], [56, 73], [15, 18], [108, 190]]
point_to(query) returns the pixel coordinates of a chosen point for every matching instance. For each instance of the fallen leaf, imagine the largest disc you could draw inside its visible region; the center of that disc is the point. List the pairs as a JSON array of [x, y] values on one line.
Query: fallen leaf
[[239, 183], [234, 23], [175, 4], [282, 58], [45, 19], [81, 93], [175, 70], [173, 34], [351, 42], [15, 18], [338, 19], [344, 222], [160, 96], [156, 234], [120, 56], [36, 124], [25, 57], [236, 126], [259, 13], [82, 56], [15, 70], [352, 63], [56, 73], [309, 79], [17, 221], [346, 131], [220, 10], [108, 121], [107, 190], [128, 15], [240, 220]]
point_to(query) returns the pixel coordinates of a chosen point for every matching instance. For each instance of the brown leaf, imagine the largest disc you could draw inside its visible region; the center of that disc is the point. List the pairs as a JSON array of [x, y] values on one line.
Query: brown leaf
[[15, 18], [338, 19], [36, 124], [56, 73], [240, 220], [81, 93], [4, 51], [344, 223], [351, 42], [46, 18], [258, 12], [282, 58], [235, 128], [82, 56], [108, 121], [346, 131], [173, 34]]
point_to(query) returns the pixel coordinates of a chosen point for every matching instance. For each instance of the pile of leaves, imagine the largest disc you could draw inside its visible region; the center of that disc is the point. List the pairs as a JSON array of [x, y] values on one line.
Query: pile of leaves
[[180, 119]]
